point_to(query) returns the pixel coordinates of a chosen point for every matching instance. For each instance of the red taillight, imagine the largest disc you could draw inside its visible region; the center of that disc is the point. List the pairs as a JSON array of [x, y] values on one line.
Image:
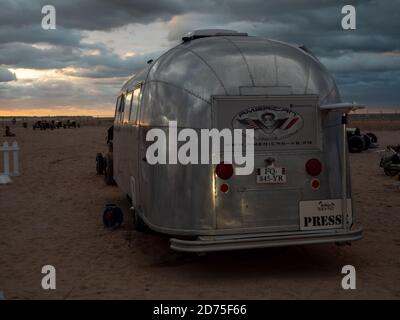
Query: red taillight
[[224, 171], [224, 188], [313, 167], [315, 184]]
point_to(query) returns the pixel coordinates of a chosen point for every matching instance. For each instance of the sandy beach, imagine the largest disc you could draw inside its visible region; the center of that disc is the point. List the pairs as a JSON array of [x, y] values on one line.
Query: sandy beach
[[51, 215]]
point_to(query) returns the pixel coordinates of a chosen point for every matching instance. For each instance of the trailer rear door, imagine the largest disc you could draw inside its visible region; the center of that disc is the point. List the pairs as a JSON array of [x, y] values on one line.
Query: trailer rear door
[[287, 133]]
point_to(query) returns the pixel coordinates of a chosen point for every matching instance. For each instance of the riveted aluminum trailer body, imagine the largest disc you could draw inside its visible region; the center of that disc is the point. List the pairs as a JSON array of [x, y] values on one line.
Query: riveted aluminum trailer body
[[230, 80]]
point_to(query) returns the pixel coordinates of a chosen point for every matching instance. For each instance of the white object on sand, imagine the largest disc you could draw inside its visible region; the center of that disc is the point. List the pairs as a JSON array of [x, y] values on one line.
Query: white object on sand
[[7, 151], [4, 179]]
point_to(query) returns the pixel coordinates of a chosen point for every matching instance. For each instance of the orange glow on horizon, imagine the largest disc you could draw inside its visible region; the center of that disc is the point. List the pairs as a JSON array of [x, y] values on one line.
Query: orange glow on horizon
[[48, 112]]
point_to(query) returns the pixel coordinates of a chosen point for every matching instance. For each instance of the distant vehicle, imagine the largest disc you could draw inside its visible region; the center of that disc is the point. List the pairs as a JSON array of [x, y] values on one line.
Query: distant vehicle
[[54, 124], [358, 142], [42, 125], [71, 124], [226, 79]]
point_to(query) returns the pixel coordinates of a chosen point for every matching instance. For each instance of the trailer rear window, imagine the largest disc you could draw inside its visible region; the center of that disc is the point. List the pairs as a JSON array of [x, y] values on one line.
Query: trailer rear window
[[134, 105]]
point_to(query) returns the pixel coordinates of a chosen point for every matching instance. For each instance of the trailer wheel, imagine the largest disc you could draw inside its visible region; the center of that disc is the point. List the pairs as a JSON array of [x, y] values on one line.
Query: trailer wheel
[[356, 144], [374, 138], [108, 173], [390, 173]]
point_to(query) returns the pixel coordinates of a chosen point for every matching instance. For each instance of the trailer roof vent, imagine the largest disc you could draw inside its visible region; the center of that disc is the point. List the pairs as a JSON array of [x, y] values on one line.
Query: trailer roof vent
[[211, 33]]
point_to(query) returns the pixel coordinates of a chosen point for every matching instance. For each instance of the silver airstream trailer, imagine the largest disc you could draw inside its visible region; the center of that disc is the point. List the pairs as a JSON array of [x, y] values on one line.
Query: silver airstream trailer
[[299, 192]]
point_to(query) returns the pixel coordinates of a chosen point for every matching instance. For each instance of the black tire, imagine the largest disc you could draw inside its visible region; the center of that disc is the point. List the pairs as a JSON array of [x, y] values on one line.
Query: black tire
[[367, 141], [109, 170], [374, 138], [113, 216], [390, 173], [356, 144]]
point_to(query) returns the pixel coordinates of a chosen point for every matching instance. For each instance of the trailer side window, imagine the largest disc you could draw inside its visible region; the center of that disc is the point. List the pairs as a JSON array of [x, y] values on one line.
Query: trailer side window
[[127, 109], [117, 108], [120, 108], [122, 104], [135, 105]]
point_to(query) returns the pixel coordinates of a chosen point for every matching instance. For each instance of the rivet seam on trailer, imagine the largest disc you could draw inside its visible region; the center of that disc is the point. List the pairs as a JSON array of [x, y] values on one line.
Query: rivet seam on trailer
[[244, 58], [182, 88], [208, 65]]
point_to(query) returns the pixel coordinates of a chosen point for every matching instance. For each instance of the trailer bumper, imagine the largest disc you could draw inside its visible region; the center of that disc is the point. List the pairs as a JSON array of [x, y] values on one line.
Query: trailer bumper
[[238, 242]]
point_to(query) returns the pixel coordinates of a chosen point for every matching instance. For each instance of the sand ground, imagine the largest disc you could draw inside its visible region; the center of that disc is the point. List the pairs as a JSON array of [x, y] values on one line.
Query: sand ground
[[51, 215]]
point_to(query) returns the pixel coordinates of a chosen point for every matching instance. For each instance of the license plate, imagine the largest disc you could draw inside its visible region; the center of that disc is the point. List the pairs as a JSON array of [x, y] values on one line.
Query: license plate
[[271, 175]]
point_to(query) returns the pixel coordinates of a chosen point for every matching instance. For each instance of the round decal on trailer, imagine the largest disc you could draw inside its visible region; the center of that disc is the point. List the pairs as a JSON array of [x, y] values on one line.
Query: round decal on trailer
[[269, 122]]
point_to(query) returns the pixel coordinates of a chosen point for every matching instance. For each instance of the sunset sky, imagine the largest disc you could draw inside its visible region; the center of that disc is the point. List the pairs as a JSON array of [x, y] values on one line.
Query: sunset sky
[[78, 68]]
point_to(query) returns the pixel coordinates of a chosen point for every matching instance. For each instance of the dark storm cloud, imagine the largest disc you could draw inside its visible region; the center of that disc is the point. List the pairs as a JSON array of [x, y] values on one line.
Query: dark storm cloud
[[315, 24], [356, 58], [22, 55], [20, 28], [90, 14], [34, 34], [103, 64], [362, 61], [20, 20], [304, 21], [108, 65], [359, 63], [6, 75]]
